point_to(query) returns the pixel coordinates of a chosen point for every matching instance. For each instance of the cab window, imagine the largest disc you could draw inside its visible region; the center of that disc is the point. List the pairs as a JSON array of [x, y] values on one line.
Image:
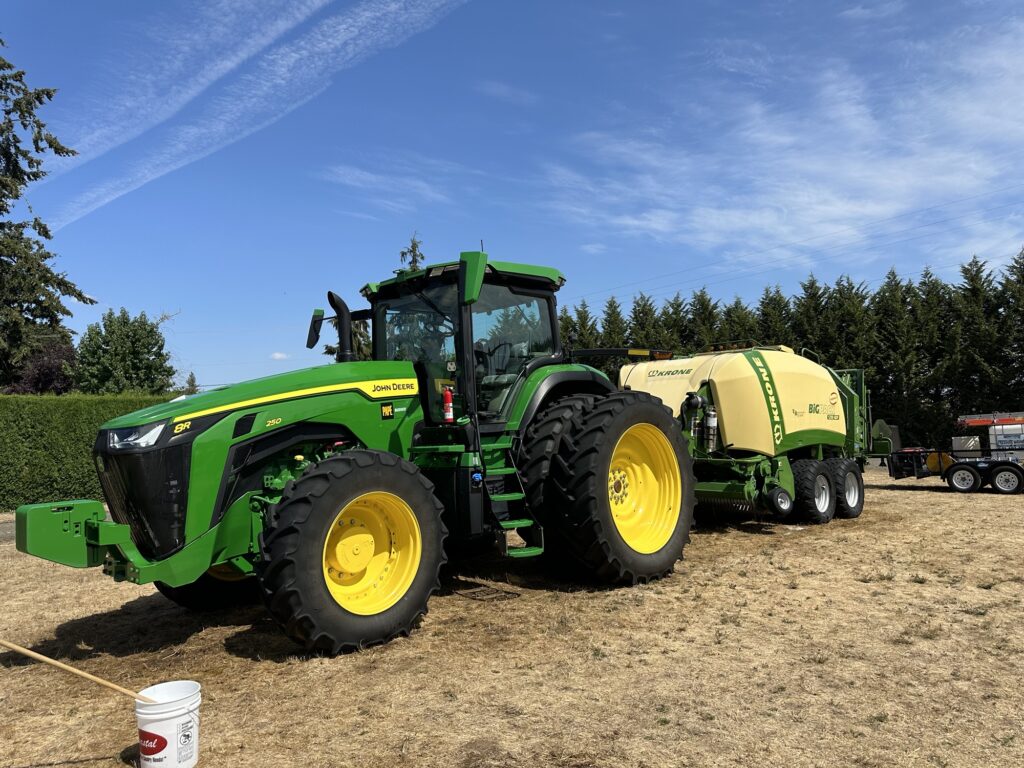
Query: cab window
[[509, 331]]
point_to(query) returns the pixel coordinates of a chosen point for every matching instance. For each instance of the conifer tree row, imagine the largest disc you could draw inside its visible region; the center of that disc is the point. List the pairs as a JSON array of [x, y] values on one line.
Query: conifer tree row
[[931, 349]]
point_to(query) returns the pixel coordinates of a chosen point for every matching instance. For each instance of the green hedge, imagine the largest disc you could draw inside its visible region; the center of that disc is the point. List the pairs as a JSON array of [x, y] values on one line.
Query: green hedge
[[46, 444]]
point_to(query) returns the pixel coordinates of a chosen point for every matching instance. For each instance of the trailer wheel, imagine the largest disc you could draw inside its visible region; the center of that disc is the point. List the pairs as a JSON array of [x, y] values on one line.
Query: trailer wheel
[[1007, 479], [216, 590], [849, 485], [815, 492], [627, 507], [963, 478], [353, 553]]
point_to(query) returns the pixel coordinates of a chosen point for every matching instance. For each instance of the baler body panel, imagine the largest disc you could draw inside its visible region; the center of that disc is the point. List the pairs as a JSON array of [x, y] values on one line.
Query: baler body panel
[[769, 401]]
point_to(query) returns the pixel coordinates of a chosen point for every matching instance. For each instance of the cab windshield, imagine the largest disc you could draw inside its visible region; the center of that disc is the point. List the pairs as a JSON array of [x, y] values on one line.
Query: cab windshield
[[420, 327]]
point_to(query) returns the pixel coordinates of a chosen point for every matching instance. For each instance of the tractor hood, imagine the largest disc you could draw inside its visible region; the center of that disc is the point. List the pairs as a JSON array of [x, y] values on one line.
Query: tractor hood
[[375, 379]]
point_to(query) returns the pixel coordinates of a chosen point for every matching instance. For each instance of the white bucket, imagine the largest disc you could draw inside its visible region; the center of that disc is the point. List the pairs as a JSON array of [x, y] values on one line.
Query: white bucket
[[169, 729]]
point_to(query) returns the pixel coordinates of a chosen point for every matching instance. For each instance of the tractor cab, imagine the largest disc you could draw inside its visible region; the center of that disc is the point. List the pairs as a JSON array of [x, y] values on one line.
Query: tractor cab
[[470, 327]]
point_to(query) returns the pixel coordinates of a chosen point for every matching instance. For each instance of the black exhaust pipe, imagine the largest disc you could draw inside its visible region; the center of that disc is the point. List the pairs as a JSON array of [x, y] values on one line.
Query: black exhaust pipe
[[344, 322]]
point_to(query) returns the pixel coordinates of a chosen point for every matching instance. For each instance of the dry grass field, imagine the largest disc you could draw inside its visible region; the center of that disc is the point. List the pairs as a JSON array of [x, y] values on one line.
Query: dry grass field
[[892, 640]]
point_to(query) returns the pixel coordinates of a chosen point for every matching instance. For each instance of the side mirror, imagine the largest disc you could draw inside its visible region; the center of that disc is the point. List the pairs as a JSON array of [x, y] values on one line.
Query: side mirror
[[315, 323]]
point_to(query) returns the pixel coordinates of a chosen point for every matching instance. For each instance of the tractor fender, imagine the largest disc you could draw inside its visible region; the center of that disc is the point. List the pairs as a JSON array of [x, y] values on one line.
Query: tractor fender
[[562, 384]]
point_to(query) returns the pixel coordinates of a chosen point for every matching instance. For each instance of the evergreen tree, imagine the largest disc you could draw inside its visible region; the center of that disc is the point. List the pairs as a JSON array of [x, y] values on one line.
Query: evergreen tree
[[1011, 299], [974, 348], [849, 329], [675, 323], [933, 317], [191, 385], [613, 334], [122, 353], [739, 323], [567, 328], [704, 319], [644, 327], [31, 291], [410, 256], [587, 334], [898, 376], [774, 318], [809, 317]]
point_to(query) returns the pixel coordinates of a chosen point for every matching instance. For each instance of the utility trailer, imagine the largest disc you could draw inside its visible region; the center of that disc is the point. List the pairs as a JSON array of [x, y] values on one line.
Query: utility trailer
[[992, 458]]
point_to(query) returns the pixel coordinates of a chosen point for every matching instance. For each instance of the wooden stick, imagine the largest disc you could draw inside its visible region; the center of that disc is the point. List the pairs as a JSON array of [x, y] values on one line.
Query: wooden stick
[[80, 673]]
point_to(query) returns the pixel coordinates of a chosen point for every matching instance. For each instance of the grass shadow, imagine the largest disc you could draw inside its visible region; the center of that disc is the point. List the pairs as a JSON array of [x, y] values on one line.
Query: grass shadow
[[142, 625]]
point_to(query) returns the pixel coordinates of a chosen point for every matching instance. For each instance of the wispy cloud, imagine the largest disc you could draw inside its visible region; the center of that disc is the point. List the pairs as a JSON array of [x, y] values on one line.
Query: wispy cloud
[[852, 173], [276, 82], [510, 94], [741, 57], [871, 12], [396, 192], [400, 182], [177, 63], [279, 356]]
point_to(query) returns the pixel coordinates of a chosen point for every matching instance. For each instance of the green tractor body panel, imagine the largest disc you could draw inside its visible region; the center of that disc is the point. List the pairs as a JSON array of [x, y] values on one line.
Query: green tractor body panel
[[189, 483]]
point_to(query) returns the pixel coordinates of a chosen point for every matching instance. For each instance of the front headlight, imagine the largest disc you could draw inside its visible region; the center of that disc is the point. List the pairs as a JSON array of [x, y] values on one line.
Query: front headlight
[[135, 437]]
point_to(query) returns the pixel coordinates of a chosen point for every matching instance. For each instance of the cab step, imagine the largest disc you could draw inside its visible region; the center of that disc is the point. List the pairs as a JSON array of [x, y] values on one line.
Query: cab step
[[525, 551], [511, 525], [513, 496]]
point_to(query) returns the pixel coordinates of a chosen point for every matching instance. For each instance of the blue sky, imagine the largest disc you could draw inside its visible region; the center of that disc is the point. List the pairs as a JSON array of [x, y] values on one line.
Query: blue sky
[[237, 159]]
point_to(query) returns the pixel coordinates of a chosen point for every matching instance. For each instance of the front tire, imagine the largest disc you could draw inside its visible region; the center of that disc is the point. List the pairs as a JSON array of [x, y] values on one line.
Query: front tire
[[848, 482], [815, 493], [353, 553], [627, 504]]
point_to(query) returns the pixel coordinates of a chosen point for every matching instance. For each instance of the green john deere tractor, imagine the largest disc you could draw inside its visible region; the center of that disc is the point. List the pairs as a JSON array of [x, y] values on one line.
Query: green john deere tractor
[[333, 492]]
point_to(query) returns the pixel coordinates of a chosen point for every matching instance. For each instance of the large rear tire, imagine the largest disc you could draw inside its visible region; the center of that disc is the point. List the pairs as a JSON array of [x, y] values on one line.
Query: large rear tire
[[625, 507], [848, 482], [815, 492], [353, 553], [541, 445]]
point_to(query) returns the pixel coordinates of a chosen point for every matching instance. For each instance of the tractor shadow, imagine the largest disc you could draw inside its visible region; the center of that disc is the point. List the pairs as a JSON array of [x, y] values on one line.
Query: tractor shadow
[[721, 520], [143, 625]]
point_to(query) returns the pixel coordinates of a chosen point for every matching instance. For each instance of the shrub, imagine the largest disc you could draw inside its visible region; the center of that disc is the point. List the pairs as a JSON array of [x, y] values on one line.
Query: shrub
[[46, 444]]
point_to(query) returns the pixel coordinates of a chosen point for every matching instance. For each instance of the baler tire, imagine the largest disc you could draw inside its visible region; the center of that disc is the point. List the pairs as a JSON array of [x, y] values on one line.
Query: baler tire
[[540, 447], [209, 593], [811, 479], [296, 560], [843, 470], [583, 486], [1003, 479], [955, 480]]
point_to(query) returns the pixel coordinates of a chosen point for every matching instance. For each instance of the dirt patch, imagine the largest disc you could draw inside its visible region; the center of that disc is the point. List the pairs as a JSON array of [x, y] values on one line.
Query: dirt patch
[[895, 639]]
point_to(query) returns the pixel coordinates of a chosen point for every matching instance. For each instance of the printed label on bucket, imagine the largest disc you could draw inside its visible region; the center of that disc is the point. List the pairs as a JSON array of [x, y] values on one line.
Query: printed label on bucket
[[151, 743], [186, 741]]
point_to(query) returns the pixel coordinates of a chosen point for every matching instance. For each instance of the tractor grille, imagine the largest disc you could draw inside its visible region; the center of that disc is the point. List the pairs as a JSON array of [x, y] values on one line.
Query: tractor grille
[[148, 491]]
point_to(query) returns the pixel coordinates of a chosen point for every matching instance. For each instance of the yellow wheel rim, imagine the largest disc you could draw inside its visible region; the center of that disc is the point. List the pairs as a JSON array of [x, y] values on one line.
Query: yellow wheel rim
[[372, 553], [644, 488]]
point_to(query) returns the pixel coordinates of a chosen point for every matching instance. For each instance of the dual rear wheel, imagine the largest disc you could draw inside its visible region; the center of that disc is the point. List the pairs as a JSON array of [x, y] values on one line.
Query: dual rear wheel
[[826, 489], [612, 481]]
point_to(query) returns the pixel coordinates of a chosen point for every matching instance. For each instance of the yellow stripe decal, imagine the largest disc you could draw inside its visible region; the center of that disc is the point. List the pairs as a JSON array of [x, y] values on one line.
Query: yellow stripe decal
[[373, 388]]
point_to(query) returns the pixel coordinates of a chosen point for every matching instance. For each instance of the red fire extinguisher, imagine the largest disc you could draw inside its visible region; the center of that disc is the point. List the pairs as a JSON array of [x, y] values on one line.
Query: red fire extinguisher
[[447, 407]]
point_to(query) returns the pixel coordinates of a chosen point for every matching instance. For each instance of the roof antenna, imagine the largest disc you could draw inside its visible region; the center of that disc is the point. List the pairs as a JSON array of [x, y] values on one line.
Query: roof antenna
[[481, 245]]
